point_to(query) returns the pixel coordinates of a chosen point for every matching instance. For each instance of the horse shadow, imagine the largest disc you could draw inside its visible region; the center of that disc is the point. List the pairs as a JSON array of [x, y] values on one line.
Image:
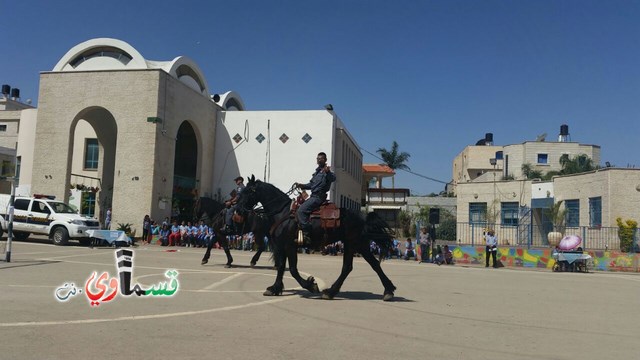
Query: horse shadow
[[347, 295], [256, 267]]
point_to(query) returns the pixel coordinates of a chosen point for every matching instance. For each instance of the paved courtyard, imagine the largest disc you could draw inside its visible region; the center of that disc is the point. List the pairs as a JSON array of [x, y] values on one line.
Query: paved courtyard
[[440, 312]]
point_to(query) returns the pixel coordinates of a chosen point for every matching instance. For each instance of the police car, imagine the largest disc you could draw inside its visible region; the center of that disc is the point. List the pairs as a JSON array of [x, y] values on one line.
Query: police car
[[42, 214]]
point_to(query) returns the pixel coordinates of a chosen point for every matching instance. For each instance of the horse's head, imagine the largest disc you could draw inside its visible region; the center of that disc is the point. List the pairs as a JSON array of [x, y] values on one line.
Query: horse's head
[[249, 197], [205, 209]]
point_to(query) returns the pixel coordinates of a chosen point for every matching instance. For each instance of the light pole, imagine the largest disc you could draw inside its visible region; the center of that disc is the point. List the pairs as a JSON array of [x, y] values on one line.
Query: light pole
[[493, 162]]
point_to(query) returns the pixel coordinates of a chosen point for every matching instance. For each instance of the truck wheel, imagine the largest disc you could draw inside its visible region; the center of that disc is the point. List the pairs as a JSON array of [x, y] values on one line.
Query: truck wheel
[[21, 236], [60, 236]]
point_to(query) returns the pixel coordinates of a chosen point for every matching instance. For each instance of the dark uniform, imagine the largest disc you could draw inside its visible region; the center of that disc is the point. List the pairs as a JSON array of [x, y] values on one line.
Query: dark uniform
[[319, 186]]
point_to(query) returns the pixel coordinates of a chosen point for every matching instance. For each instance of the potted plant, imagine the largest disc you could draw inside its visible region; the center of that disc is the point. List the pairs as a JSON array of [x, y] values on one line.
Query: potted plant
[[125, 227], [557, 215]]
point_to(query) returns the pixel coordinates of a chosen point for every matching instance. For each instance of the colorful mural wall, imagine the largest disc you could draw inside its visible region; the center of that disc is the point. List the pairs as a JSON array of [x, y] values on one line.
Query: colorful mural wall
[[541, 258]]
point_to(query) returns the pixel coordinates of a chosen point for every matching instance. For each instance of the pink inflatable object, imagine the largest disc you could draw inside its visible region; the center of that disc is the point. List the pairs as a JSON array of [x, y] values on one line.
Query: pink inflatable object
[[569, 242]]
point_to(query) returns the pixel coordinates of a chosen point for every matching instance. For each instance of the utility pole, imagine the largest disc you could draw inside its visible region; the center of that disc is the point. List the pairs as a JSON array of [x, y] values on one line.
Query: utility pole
[[12, 199]]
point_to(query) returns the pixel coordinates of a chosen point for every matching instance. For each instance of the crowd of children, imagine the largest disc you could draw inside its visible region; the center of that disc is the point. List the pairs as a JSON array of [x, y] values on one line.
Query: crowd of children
[[171, 234], [200, 235]]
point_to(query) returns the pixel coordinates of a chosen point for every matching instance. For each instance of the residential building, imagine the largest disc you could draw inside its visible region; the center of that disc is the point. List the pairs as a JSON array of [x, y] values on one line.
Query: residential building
[[490, 162], [517, 208]]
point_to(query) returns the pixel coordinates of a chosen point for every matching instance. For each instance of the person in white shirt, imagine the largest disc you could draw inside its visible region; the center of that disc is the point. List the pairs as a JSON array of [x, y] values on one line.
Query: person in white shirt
[[425, 245], [492, 247], [409, 249]]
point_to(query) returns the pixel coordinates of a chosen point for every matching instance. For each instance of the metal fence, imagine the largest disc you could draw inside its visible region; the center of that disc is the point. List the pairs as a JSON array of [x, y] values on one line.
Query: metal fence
[[601, 238]]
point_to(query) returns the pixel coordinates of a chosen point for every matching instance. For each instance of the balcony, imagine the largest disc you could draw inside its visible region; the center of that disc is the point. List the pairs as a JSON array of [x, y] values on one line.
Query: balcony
[[387, 197]]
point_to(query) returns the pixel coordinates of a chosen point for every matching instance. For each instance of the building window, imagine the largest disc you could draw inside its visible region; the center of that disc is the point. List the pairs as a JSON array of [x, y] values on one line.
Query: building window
[[543, 158], [18, 165], [91, 152], [509, 213], [88, 203], [7, 168], [478, 213], [573, 212], [595, 211], [3, 128]]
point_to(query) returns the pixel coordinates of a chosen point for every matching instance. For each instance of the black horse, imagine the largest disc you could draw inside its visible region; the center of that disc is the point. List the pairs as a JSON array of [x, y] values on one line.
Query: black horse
[[355, 232], [211, 212]]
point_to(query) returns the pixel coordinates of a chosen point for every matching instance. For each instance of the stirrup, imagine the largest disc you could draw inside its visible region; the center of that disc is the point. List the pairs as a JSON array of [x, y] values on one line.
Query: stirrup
[[304, 239], [300, 239]]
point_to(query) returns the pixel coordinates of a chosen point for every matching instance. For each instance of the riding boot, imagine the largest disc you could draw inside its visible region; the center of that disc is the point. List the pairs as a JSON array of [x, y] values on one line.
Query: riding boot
[[226, 230], [306, 235]]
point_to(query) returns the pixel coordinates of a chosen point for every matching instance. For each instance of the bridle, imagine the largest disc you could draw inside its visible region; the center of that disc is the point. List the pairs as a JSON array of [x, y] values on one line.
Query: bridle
[[264, 205]]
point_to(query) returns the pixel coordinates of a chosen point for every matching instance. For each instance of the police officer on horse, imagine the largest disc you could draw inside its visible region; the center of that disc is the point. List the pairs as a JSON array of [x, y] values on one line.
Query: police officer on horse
[[319, 185]]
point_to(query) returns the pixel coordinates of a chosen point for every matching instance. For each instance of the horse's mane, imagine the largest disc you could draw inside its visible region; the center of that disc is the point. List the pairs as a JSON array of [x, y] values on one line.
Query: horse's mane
[[270, 187], [208, 206]]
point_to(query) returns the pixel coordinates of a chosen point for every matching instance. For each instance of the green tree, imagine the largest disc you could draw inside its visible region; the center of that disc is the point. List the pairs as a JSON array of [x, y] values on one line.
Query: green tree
[[550, 174], [422, 216], [557, 214], [447, 229], [578, 164], [394, 159], [405, 220], [529, 172], [626, 230]]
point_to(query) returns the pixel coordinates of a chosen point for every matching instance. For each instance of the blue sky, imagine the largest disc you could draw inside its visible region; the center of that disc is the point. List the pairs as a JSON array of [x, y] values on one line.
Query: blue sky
[[434, 76]]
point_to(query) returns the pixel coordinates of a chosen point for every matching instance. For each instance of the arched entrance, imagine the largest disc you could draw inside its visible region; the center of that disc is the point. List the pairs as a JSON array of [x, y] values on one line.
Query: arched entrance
[[185, 173], [93, 136]]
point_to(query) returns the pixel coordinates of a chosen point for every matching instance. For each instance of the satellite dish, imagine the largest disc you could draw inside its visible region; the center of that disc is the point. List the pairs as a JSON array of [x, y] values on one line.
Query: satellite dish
[[541, 137]]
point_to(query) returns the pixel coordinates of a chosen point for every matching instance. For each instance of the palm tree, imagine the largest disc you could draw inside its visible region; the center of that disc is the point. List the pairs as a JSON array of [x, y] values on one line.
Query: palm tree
[[578, 164], [529, 172], [394, 159]]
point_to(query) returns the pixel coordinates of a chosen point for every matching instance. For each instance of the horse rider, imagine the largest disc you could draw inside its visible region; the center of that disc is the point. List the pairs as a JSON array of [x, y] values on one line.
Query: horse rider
[[231, 206], [319, 185]]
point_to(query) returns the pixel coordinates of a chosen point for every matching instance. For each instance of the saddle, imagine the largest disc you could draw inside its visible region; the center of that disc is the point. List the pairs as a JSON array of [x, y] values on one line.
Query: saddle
[[328, 213]]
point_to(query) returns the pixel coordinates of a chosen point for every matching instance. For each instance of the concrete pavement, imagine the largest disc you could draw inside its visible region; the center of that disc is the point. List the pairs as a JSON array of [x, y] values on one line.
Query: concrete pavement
[[441, 312]]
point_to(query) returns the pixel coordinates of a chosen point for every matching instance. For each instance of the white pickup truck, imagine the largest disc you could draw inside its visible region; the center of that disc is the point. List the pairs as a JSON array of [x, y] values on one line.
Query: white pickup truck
[[43, 215]]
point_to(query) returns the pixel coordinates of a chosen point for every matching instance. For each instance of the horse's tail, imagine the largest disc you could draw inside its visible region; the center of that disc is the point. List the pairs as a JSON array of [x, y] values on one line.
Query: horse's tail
[[376, 229]]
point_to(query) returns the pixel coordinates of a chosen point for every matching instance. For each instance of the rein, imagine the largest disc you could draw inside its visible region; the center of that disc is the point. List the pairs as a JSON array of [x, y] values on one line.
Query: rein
[[264, 205]]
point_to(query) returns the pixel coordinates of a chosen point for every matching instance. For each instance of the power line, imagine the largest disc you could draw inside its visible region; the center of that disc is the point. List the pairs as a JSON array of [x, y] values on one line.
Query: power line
[[409, 171]]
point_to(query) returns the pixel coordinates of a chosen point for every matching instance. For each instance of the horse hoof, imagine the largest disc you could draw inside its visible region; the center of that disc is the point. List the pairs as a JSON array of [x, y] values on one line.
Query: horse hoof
[[204, 262], [272, 292], [326, 295], [387, 296], [315, 288], [228, 266], [253, 264]]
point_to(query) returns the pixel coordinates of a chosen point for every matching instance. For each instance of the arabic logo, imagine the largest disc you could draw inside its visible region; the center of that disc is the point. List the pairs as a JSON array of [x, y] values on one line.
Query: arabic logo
[[104, 288], [66, 291]]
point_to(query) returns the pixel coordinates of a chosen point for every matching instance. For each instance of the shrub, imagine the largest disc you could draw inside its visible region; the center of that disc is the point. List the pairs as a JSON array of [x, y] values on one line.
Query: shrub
[[125, 227], [626, 230], [446, 230]]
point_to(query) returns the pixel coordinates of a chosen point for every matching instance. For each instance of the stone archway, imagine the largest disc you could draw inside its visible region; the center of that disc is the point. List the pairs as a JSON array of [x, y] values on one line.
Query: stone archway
[[185, 171], [90, 165]]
